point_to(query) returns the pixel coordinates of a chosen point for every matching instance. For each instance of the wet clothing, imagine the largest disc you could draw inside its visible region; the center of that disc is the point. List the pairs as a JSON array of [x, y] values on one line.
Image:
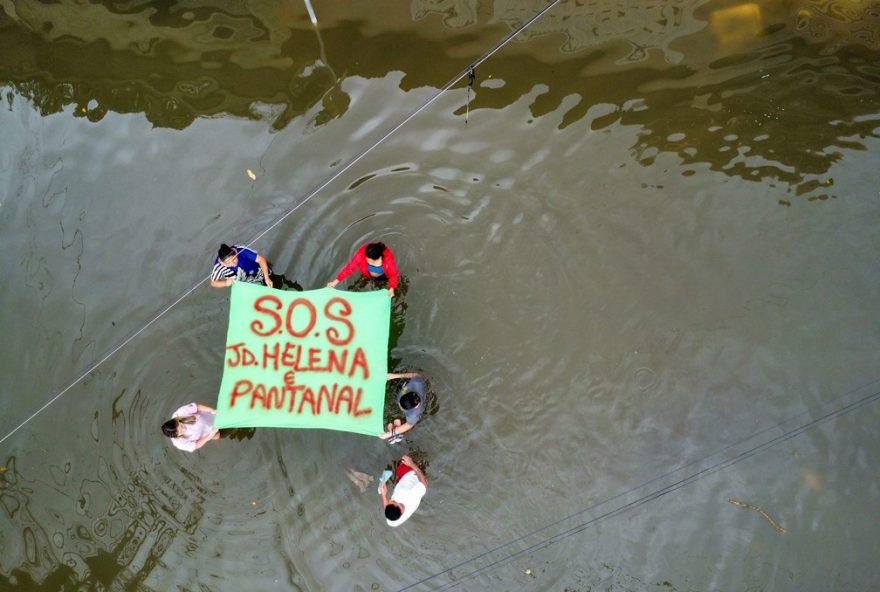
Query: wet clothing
[[247, 270], [402, 470], [414, 385], [359, 262], [408, 491], [191, 433]]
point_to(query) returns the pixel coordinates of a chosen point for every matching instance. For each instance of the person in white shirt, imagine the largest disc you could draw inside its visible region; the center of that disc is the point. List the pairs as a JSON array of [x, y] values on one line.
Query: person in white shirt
[[191, 427], [411, 487]]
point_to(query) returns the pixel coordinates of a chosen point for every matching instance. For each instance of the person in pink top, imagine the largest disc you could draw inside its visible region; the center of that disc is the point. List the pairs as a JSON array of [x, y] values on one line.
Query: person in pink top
[[373, 260], [191, 427]]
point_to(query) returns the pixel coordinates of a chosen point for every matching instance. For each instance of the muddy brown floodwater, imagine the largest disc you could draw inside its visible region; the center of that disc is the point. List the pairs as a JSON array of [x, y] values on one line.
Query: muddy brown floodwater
[[642, 280]]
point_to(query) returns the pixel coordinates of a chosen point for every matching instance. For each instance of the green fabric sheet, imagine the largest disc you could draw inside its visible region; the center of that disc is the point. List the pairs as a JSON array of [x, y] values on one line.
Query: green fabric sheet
[[315, 359]]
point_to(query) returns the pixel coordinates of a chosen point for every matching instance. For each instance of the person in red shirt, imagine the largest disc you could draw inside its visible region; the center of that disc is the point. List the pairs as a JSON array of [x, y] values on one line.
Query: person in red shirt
[[373, 260]]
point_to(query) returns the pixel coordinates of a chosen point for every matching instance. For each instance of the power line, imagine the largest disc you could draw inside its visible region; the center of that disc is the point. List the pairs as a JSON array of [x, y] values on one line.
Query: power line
[[464, 73], [653, 495], [320, 186], [106, 357]]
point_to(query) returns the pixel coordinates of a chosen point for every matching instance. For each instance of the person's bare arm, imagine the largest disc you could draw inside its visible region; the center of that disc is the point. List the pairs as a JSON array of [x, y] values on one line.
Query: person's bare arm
[[408, 461], [214, 435], [383, 489], [264, 267], [206, 409], [401, 429], [224, 283], [392, 376]]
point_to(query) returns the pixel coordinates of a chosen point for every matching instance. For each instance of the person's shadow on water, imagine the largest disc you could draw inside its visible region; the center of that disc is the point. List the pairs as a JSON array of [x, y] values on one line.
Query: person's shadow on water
[[280, 282], [398, 307], [240, 434]]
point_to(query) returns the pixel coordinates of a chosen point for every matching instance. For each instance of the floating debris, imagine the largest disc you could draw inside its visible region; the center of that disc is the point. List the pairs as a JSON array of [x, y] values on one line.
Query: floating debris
[[813, 480], [760, 511], [251, 174]]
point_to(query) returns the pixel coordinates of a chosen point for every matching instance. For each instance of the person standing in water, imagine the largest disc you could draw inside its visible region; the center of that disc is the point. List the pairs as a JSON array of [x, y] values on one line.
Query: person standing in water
[[411, 398], [239, 263], [191, 427], [373, 260], [411, 487]]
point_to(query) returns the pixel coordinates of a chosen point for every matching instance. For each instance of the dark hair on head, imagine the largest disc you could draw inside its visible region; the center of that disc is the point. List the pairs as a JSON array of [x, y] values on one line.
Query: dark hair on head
[[169, 428], [374, 250], [409, 401], [393, 512], [224, 251]]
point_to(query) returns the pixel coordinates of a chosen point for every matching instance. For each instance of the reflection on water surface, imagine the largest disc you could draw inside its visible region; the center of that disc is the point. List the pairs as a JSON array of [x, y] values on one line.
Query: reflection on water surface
[[121, 517], [774, 93], [764, 91]]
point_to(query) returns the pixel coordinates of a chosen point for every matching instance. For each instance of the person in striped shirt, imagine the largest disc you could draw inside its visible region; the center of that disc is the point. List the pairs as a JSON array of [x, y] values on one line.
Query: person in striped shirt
[[239, 263]]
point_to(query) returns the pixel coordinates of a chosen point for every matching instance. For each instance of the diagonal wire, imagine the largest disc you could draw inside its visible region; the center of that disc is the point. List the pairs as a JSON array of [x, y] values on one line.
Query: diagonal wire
[[319, 187], [106, 357], [651, 496], [354, 160]]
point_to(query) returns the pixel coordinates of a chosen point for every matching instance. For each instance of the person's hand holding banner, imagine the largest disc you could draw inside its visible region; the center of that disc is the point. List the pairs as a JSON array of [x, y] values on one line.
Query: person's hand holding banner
[[315, 359]]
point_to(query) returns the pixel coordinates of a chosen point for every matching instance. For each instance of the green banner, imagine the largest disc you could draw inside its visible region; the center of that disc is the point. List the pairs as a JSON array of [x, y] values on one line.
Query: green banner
[[315, 359]]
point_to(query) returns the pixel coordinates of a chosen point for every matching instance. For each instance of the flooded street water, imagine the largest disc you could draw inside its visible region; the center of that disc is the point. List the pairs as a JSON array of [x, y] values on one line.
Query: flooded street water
[[643, 278]]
